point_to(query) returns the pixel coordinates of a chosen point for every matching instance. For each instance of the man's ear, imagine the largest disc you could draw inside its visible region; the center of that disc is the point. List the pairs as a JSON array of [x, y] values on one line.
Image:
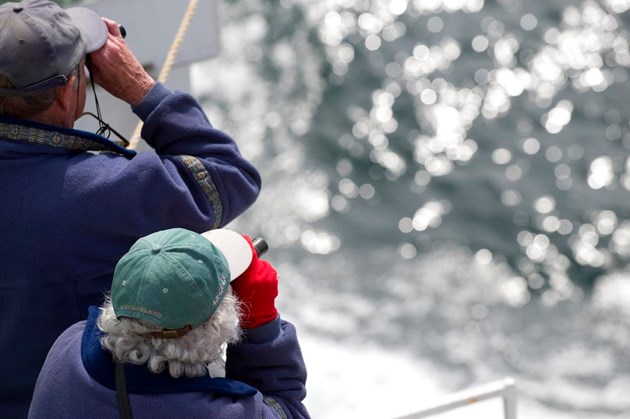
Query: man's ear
[[66, 95]]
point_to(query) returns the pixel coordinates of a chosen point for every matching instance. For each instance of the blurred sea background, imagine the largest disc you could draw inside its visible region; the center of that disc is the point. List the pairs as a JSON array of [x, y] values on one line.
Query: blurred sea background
[[445, 196]]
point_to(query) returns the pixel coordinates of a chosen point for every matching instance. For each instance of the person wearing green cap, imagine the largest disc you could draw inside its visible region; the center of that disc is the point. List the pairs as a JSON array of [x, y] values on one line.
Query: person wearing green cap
[[73, 202], [177, 298]]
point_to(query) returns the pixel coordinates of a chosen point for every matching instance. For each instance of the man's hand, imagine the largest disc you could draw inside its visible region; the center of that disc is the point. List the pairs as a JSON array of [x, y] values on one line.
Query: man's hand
[[117, 70], [257, 289]]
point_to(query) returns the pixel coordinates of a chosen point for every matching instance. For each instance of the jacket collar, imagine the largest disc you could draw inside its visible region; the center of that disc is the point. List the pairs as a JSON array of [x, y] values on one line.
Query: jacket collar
[[36, 133], [100, 366]]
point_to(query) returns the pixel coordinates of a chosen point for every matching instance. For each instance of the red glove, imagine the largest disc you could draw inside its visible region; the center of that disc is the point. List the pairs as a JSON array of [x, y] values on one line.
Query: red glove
[[257, 289]]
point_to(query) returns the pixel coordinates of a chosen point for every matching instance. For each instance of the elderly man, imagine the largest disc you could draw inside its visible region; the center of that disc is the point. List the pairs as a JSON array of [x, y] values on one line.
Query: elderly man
[[172, 309], [74, 202]]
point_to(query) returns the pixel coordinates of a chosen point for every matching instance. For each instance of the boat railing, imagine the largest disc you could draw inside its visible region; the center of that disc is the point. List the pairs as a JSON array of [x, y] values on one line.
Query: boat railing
[[504, 388]]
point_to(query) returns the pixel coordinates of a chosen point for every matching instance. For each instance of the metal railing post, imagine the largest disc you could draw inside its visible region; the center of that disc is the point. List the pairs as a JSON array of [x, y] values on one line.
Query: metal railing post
[[509, 399]]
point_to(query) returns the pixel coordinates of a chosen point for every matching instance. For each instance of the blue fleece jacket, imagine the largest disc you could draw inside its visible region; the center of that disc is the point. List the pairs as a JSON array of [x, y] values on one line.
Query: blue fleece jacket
[[73, 203], [265, 378]]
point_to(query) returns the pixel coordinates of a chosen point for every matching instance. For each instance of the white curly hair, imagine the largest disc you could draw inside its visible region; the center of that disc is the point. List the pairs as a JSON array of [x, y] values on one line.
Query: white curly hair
[[188, 355]]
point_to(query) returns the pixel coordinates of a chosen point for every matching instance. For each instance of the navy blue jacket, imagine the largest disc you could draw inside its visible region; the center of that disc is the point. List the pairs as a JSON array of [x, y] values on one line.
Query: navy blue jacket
[[265, 379], [72, 203]]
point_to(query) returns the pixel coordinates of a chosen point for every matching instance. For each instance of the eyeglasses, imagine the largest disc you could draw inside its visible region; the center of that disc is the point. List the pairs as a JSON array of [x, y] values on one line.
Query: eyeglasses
[[104, 129]]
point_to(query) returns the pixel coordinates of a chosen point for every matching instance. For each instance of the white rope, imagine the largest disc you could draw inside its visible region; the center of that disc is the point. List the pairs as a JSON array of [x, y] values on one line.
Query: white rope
[[170, 59]]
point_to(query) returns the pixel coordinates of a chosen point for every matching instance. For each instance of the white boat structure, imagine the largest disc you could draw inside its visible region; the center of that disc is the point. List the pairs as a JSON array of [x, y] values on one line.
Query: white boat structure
[[191, 29], [167, 37]]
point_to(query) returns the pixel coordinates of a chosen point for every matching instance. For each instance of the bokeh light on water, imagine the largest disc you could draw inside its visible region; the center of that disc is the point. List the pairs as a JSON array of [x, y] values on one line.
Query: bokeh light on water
[[446, 176]]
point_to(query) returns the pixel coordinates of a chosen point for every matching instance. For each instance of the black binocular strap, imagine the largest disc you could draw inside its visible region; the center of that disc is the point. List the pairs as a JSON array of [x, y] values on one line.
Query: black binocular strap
[[121, 391]]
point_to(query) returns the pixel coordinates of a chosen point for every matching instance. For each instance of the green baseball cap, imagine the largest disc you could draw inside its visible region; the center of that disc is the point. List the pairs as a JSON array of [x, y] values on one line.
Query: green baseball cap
[[177, 278]]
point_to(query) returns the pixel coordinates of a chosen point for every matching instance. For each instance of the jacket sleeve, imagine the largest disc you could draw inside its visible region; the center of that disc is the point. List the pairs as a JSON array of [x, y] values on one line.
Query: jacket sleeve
[[195, 179], [270, 359], [177, 128]]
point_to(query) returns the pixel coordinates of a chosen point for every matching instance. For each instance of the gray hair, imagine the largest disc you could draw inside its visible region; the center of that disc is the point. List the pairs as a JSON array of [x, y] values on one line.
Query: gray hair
[[187, 355], [25, 106]]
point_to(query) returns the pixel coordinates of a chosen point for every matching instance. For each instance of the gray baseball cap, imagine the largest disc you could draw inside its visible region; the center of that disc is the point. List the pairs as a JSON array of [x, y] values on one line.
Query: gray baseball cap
[[42, 43]]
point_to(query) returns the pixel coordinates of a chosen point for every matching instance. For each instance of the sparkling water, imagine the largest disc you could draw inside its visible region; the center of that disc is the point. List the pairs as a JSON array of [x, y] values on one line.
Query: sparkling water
[[445, 194]]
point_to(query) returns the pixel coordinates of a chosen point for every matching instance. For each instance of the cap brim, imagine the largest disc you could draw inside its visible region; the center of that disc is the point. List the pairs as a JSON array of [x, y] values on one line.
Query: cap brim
[[92, 27], [234, 247]]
